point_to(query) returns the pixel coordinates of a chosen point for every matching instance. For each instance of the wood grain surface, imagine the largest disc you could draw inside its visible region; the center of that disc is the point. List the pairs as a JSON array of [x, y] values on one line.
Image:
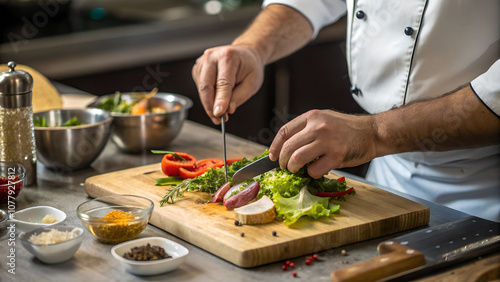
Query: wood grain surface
[[371, 213]]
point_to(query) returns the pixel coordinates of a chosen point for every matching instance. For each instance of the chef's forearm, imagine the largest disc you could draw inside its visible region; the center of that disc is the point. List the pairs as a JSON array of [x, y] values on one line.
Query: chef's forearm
[[456, 121], [276, 32]]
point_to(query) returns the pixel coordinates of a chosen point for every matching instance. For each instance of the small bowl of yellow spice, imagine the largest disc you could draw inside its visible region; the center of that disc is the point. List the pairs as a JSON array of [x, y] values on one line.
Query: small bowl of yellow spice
[[116, 218]]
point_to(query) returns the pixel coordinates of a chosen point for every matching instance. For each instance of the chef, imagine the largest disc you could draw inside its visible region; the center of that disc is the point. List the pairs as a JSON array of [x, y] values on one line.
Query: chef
[[428, 72]]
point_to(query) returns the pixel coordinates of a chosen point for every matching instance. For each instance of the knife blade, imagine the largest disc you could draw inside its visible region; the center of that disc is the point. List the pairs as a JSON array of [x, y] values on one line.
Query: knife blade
[[425, 251], [223, 129], [256, 168]]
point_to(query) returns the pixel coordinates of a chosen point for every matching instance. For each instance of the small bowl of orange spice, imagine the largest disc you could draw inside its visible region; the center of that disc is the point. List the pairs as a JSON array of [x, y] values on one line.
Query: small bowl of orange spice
[[116, 218]]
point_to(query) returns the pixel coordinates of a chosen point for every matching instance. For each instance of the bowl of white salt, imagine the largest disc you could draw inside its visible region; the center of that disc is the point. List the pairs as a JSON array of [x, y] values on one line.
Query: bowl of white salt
[[53, 244]]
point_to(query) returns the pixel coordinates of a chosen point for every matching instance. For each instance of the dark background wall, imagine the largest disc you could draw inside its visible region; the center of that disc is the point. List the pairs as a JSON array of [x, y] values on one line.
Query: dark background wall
[[315, 77]]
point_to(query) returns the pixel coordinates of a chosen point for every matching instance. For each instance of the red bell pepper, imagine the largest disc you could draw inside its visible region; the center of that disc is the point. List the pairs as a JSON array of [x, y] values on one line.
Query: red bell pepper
[[200, 168], [171, 163]]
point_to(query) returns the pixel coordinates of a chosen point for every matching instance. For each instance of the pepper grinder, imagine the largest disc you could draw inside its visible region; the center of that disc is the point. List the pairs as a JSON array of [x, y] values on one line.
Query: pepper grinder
[[17, 136]]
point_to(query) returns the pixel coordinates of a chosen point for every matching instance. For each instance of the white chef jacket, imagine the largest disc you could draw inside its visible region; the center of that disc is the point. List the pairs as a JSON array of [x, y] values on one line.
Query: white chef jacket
[[404, 51]]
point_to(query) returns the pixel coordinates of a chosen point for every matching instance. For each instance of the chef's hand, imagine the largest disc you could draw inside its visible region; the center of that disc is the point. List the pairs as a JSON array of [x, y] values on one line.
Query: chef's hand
[[226, 77], [334, 140]]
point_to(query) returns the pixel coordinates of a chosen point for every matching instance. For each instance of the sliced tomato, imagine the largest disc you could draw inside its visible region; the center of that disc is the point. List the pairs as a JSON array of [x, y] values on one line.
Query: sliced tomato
[[170, 164], [231, 161], [200, 168]]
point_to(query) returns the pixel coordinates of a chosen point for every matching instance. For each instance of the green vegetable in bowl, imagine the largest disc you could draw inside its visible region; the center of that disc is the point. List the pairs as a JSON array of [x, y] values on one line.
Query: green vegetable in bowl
[[73, 122], [42, 122], [116, 104]]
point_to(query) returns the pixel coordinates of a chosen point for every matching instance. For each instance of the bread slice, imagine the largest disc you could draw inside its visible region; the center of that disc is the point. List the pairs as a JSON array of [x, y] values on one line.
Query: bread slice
[[259, 212]]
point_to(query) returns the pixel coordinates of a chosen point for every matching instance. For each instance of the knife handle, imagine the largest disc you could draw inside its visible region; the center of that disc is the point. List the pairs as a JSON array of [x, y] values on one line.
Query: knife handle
[[394, 258]]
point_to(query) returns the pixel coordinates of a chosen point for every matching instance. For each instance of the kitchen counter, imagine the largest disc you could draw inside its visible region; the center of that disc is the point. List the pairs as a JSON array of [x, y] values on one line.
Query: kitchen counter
[[94, 262]]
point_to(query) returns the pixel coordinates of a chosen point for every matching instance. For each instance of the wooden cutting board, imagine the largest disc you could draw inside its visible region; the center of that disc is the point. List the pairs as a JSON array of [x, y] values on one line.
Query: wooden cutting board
[[371, 213]]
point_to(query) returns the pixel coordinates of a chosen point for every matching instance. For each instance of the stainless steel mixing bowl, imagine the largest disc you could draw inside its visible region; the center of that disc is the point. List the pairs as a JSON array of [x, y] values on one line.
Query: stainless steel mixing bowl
[[71, 147], [136, 133]]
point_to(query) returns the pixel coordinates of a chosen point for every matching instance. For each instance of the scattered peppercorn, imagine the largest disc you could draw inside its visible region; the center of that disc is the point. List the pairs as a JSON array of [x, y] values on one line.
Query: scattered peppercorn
[[294, 274], [274, 233], [242, 234], [292, 264], [308, 262], [315, 256], [343, 252], [236, 222], [287, 262], [284, 267], [146, 253]]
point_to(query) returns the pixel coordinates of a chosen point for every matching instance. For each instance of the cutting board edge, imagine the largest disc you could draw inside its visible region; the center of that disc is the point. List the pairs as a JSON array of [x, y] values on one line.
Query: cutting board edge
[[258, 256]]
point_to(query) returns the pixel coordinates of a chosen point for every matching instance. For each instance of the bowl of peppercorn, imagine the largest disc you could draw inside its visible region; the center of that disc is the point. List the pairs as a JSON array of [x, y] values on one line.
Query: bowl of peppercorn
[[150, 256], [115, 218], [12, 177]]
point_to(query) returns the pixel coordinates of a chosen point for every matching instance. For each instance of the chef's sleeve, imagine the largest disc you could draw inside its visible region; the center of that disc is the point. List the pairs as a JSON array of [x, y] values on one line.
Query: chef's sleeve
[[319, 12], [487, 87]]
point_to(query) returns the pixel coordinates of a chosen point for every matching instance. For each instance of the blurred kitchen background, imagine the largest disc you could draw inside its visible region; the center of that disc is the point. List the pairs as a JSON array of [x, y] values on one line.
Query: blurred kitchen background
[[103, 46]]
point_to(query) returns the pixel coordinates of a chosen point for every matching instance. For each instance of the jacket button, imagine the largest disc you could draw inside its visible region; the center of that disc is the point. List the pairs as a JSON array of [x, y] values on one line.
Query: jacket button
[[408, 31], [355, 90], [360, 15]]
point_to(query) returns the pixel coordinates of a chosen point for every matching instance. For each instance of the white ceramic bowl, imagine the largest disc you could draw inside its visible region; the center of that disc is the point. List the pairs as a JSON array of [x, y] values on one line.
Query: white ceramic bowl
[[177, 251], [31, 218], [53, 253]]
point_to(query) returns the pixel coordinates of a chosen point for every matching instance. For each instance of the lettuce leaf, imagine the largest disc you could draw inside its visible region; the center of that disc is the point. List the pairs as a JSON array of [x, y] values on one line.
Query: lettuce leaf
[[304, 203], [283, 182]]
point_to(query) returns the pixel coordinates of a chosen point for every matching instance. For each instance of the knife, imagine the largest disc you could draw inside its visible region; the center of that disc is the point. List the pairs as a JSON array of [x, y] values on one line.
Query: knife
[[256, 168], [425, 251], [223, 129]]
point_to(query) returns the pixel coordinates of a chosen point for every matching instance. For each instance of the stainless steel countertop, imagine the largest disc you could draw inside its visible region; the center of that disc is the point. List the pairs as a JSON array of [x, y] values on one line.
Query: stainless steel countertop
[[94, 262]]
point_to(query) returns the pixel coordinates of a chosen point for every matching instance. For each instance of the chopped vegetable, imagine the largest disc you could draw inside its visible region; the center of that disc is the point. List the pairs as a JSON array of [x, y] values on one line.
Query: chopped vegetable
[[219, 195], [73, 122], [171, 180], [304, 203], [244, 197], [138, 110], [283, 182], [118, 105], [292, 193], [172, 162], [200, 168], [209, 182], [231, 161]]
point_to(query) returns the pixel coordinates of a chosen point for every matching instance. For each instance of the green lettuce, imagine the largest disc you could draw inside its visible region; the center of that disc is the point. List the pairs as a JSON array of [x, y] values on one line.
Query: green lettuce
[[304, 203], [283, 182]]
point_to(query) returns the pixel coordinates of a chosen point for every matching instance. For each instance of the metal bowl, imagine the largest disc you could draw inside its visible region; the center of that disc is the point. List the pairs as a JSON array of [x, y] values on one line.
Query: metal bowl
[[71, 147], [137, 133]]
